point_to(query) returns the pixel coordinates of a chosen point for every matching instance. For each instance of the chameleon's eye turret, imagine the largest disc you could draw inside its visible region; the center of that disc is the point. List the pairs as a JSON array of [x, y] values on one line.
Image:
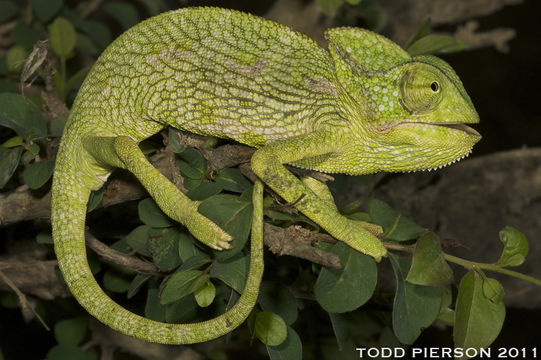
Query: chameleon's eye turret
[[420, 89]]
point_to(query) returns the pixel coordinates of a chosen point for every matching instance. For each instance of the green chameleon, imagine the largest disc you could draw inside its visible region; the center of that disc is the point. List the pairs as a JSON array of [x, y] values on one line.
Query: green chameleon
[[361, 107]]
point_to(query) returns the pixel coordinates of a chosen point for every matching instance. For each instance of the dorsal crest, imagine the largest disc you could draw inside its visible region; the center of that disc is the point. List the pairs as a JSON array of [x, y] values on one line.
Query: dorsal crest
[[369, 52]]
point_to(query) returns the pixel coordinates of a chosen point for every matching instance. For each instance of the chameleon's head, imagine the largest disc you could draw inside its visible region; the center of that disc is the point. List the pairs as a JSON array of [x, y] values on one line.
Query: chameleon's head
[[413, 109]]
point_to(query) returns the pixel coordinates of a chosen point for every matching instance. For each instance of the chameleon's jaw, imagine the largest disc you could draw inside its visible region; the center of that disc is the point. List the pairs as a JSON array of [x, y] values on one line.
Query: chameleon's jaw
[[458, 126], [426, 145]]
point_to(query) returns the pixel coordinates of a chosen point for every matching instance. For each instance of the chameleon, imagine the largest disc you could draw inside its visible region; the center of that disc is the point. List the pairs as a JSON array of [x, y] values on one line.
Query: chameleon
[[363, 105]]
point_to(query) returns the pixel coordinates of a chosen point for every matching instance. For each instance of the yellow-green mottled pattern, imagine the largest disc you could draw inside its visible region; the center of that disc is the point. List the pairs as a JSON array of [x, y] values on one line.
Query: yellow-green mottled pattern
[[363, 106]]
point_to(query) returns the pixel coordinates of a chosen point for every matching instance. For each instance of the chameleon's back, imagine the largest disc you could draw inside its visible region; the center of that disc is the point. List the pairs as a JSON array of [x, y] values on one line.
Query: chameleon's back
[[211, 71]]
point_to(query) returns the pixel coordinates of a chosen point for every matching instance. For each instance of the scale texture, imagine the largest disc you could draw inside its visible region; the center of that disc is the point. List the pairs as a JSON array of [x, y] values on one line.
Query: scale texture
[[362, 106]]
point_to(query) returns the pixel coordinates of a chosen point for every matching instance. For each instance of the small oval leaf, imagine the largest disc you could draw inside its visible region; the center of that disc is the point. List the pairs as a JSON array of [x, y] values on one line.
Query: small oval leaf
[[38, 173], [62, 36], [179, 285], [205, 294], [415, 307], [270, 328], [428, 266], [152, 215], [21, 115], [347, 288], [515, 247], [70, 331], [478, 319]]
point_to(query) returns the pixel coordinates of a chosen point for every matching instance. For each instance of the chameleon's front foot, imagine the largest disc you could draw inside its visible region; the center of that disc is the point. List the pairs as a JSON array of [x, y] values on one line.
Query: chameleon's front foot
[[208, 232], [363, 237]]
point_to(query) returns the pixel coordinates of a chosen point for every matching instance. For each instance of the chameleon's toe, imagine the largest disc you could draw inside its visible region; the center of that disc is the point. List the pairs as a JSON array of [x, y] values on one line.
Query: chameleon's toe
[[364, 239], [373, 228], [210, 234]]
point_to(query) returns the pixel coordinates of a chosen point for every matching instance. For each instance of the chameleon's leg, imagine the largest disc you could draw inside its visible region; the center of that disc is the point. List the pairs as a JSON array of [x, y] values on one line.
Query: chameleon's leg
[[267, 163], [123, 152], [322, 190]]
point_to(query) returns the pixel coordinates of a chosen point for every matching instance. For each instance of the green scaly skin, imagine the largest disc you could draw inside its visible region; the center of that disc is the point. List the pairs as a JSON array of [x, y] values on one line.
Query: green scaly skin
[[361, 107]]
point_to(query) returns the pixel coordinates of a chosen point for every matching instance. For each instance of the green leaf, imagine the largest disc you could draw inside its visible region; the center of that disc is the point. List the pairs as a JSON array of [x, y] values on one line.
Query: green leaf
[[396, 227], [347, 288], [195, 262], [193, 167], [478, 319], [231, 179], [38, 173], [415, 307], [446, 315], [429, 266], [276, 298], [33, 149], [9, 160], [234, 215], [57, 125], [85, 45], [154, 310], [290, 348], [515, 247], [162, 245], [95, 199], [76, 80], [187, 247], [69, 352], [44, 238], [62, 36], [46, 9], [13, 142], [181, 311], [126, 14], [436, 43], [22, 116], [97, 31], [138, 239], [329, 7], [204, 190], [7, 10], [422, 31], [136, 284], [154, 7], [180, 284], [205, 294], [189, 171], [493, 290], [25, 35], [152, 215], [115, 281], [270, 328], [15, 58], [340, 329], [70, 331], [232, 271]]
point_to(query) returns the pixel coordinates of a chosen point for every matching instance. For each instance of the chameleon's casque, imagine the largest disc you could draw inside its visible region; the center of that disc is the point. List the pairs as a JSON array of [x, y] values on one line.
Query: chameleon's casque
[[363, 106]]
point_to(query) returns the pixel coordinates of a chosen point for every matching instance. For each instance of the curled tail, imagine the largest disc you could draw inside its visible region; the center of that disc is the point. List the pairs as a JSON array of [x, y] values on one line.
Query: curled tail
[[69, 198]]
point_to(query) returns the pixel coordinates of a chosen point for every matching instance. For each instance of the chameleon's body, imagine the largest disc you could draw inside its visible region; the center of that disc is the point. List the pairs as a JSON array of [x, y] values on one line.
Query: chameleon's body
[[363, 107]]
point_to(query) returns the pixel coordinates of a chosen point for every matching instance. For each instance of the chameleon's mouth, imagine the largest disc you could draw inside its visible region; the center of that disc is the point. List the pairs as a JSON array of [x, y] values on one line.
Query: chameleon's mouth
[[454, 126], [457, 126]]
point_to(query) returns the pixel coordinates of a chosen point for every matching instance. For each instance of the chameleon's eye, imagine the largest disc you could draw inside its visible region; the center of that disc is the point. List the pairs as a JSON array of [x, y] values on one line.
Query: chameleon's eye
[[420, 90]]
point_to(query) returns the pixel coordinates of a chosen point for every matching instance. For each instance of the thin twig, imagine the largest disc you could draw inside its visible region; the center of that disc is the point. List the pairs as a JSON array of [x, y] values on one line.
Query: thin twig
[[116, 257], [22, 299]]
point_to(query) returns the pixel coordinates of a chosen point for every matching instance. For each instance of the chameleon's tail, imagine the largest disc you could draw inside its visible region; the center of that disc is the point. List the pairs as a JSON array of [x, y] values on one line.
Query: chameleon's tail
[[69, 199]]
